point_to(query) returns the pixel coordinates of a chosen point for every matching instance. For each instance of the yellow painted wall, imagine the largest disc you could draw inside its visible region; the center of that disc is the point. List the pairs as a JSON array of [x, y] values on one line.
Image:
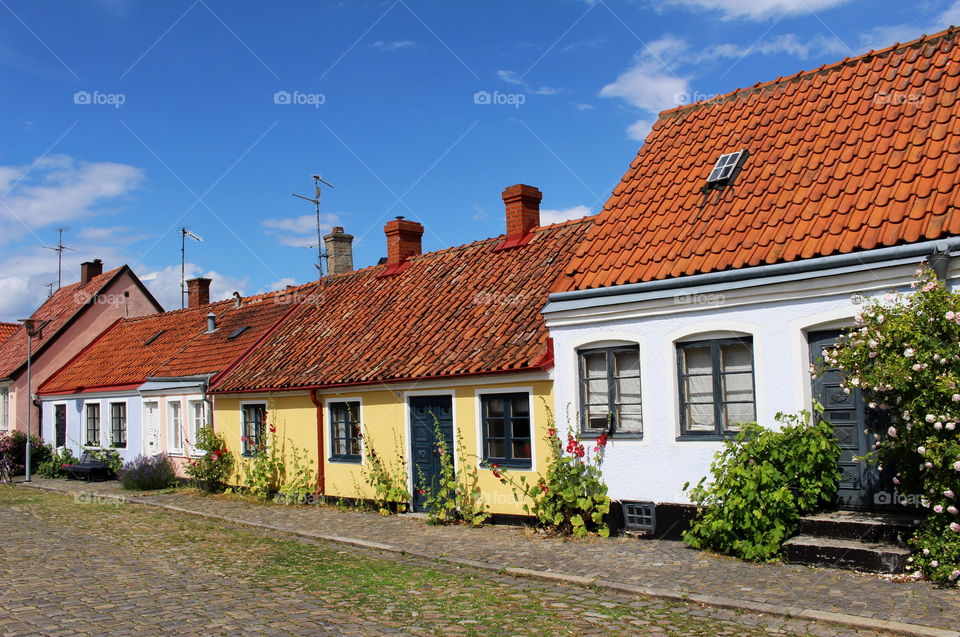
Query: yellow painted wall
[[294, 416], [384, 417]]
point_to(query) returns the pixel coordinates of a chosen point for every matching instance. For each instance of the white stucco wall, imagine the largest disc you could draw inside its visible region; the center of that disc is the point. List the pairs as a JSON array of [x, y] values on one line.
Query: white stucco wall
[[777, 316], [76, 421]]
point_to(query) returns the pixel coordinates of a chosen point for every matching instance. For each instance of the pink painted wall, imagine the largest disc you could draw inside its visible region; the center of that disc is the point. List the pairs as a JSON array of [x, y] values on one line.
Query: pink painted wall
[[110, 306]]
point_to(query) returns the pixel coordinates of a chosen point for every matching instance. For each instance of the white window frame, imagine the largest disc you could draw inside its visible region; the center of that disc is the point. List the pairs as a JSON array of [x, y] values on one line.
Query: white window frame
[[535, 433], [98, 443], [328, 433], [193, 428], [126, 423], [243, 424], [174, 443], [5, 408]]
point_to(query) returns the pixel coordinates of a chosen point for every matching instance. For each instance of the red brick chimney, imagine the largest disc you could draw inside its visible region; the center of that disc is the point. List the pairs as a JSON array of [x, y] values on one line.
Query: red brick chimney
[[90, 269], [198, 292], [523, 209], [403, 240]]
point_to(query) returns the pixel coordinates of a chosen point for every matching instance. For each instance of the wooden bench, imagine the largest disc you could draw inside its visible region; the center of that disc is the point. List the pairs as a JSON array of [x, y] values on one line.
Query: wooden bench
[[88, 469]]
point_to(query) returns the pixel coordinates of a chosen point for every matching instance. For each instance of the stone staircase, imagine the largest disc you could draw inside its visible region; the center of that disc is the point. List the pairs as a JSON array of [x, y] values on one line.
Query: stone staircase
[[853, 540]]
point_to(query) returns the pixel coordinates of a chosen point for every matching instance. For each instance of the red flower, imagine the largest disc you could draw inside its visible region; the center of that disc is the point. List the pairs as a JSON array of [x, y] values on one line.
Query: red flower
[[243, 439], [273, 429], [602, 440], [496, 474], [551, 432], [419, 491]]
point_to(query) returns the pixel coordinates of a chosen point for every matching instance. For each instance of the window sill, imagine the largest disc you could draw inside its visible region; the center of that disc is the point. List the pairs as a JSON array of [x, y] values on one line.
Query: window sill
[[611, 437], [344, 459], [507, 464], [706, 437]]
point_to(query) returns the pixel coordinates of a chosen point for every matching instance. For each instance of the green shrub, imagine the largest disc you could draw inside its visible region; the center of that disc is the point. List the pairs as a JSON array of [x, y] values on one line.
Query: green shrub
[[210, 471], [110, 457], [14, 444], [53, 468], [457, 497], [145, 473], [389, 484], [762, 482]]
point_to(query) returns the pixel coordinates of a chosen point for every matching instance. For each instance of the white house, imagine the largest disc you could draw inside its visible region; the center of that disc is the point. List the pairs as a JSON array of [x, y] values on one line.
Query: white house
[[746, 232]]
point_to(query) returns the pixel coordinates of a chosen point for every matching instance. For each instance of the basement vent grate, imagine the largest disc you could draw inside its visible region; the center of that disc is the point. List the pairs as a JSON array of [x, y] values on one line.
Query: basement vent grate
[[639, 516]]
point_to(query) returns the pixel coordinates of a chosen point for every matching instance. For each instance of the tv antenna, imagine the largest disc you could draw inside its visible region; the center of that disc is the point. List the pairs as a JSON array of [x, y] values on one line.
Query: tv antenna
[[59, 248], [184, 233], [49, 287], [317, 180]]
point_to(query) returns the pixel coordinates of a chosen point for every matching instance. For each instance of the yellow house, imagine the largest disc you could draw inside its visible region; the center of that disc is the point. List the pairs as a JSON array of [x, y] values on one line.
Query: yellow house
[[360, 376]]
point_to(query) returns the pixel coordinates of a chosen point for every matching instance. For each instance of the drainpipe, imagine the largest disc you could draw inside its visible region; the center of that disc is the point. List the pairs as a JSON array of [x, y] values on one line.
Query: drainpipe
[[321, 483], [939, 261]]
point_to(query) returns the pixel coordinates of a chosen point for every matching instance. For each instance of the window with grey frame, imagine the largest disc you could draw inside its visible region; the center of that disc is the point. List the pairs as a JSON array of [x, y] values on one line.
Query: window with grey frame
[[506, 429], [254, 425], [118, 424], [716, 386], [610, 397], [345, 431], [93, 425]]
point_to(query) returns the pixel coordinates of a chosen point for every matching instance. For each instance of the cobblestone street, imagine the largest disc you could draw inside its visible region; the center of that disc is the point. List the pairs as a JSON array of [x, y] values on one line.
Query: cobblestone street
[[81, 564]]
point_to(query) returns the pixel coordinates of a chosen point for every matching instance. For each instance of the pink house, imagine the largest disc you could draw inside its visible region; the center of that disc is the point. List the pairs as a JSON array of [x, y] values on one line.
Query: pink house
[[75, 315]]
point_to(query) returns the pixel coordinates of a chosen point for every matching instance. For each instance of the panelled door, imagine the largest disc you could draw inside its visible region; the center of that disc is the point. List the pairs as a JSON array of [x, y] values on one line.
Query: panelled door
[[60, 425], [861, 483], [151, 428], [426, 458]]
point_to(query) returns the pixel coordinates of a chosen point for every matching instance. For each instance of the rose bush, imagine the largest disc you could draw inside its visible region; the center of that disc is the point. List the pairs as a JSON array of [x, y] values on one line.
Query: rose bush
[[904, 355]]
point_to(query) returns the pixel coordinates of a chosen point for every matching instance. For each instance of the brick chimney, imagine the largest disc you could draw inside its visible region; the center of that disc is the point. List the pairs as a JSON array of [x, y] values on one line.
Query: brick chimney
[[90, 269], [198, 292], [523, 209], [403, 240], [339, 246]]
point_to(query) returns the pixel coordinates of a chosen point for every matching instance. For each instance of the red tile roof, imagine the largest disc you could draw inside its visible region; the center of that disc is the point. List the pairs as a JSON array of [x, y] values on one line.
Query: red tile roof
[[857, 155], [182, 347], [60, 309], [465, 310], [6, 329]]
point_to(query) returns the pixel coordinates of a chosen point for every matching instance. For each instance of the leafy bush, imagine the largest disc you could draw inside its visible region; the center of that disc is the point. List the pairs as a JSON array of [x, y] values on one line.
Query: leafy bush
[[210, 471], [763, 481], [457, 498], [53, 468], [903, 355], [145, 473], [300, 483], [389, 486], [14, 444], [572, 497]]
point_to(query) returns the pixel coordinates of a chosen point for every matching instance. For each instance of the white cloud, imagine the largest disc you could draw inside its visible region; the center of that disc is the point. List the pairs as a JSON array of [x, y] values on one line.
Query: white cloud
[[164, 284], [584, 107], [759, 9], [59, 189], [118, 235], [300, 232], [649, 84], [884, 36], [639, 129], [397, 45], [566, 214], [479, 213], [787, 44], [511, 77]]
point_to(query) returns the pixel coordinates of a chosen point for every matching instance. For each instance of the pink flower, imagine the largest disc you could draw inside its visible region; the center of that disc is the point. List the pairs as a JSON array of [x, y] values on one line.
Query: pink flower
[[952, 510], [956, 465], [955, 527], [934, 563], [892, 432], [949, 493], [954, 575], [917, 367], [949, 316], [921, 450], [909, 352], [938, 509], [930, 418]]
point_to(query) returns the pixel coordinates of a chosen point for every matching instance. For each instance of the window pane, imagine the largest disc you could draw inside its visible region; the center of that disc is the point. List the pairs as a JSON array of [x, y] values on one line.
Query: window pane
[[520, 405], [628, 391], [699, 389], [697, 360], [627, 363], [495, 449], [736, 358], [597, 391], [495, 427], [738, 387], [521, 449], [630, 420], [339, 447], [700, 417], [595, 365], [521, 427], [738, 413], [494, 407], [597, 417]]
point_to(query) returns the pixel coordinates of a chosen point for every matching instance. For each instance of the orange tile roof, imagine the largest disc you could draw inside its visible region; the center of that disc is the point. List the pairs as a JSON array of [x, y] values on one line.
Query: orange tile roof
[[6, 329], [122, 356], [464, 310], [60, 309], [857, 155]]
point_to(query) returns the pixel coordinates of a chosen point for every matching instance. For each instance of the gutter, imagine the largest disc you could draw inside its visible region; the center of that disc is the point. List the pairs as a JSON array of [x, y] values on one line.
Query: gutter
[[321, 454], [908, 252]]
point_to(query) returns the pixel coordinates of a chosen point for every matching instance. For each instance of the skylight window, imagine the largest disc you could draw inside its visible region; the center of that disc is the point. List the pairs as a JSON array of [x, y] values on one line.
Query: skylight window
[[154, 337], [240, 330], [725, 167]]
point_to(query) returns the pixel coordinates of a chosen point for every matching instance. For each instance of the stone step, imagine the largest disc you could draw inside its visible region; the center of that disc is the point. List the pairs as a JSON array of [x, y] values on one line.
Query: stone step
[[862, 526], [847, 554]]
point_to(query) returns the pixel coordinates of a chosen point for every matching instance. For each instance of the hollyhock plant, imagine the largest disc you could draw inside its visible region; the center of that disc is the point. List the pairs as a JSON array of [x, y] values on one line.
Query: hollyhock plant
[[904, 353]]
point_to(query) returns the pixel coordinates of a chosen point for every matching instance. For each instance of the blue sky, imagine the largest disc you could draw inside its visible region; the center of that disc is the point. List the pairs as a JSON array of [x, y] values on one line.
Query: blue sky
[[127, 119]]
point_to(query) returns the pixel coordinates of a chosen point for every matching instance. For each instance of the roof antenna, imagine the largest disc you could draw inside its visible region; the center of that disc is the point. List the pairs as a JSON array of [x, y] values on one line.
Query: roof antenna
[[184, 233], [59, 248], [49, 287], [317, 180]]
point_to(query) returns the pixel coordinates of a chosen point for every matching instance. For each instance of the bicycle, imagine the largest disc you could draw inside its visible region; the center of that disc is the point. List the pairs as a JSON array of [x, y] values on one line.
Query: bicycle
[[6, 469]]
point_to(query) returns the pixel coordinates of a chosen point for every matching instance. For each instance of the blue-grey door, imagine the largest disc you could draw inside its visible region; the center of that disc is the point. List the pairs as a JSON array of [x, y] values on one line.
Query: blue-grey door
[[861, 483], [426, 458]]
